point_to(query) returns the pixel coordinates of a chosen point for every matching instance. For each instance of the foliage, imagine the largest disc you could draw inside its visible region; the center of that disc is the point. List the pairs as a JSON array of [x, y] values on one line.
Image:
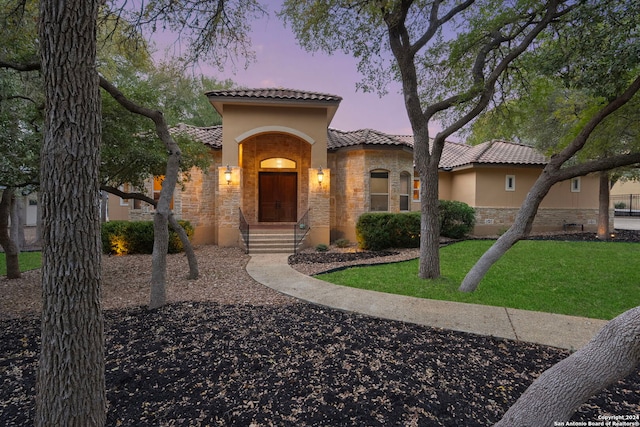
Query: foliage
[[342, 243], [589, 279], [136, 237], [321, 247], [457, 219], [378, 231]]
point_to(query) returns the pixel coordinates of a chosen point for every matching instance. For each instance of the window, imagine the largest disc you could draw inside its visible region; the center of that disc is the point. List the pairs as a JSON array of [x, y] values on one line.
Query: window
[[405, 186], [416, 189], [379, 191], [510, 183], [575, 185]]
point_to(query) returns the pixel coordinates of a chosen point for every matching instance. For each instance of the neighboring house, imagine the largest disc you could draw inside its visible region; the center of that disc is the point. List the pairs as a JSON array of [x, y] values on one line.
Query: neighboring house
[[275, 159]]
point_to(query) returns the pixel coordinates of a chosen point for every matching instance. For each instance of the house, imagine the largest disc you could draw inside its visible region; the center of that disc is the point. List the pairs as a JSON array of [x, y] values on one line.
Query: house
[[276, 162]]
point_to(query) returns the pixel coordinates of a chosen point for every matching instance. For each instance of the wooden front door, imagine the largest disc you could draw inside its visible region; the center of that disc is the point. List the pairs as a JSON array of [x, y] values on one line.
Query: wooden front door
[[278, 197]]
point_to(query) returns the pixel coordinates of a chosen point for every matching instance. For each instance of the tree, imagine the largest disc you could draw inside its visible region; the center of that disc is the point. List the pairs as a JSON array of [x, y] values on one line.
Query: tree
[[607, 70], [554, 397], [70, 378], [11, 250], [444, 74]]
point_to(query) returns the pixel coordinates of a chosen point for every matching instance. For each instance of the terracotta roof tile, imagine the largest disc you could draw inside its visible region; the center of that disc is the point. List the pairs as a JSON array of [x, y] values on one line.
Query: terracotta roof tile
[[454, 155], [340, 139], [211, 136], [274, 94]]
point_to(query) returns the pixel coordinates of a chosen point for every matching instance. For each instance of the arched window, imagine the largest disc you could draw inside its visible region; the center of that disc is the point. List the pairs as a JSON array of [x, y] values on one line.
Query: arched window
[[405, 189], [379, 190]]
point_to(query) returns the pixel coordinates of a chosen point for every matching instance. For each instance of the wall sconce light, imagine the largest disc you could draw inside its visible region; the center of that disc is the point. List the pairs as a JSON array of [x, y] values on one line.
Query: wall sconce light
[[227, 175], [320, 175]]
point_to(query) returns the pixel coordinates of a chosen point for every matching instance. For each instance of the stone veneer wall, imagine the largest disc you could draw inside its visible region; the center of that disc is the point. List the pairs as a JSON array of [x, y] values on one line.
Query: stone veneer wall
[[350, 184], [491, 221]]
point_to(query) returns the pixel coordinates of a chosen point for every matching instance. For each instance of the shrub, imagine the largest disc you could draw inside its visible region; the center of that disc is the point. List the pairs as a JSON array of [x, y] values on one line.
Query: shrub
[[321, 247], [378, 231], [620, 205], [136, 237], [342, 243], [456, 219]]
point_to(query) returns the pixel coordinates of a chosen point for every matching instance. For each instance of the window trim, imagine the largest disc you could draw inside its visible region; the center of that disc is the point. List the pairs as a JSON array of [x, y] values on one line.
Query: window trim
[[407, 177], [371, 193], [415, 196], [575, 184], [510, 183]]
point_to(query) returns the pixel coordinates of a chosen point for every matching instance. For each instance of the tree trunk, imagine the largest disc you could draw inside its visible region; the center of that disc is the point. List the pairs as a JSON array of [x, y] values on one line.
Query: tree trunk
[[188, 248], [554, 397], [603, 206], [70, 379], [11, 250], [430, 225], [16, 231], [158, 295]]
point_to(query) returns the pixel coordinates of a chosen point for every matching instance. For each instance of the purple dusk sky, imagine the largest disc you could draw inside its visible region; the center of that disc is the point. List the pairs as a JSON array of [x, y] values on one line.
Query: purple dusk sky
[[280, 62]]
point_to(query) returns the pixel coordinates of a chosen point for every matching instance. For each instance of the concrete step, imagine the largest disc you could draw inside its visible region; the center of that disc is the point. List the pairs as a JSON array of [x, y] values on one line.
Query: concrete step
[[271, 240]]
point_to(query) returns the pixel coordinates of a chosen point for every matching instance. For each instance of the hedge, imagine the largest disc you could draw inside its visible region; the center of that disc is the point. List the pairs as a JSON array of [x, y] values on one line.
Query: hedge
[[136, 237], [378, 231]]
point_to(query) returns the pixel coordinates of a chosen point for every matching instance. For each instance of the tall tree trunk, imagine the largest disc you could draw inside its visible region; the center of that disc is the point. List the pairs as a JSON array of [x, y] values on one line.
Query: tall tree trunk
[[429, 225], [11, 250], [158, 295], [16, 230], [70, 379], [603, 206], [610, 356], [188, 248]]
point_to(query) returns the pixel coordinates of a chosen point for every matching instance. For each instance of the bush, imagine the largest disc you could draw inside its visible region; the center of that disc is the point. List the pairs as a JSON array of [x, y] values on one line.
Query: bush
[[321, 247], [457, 219], [378, 231], [136, 237], [342, 243]]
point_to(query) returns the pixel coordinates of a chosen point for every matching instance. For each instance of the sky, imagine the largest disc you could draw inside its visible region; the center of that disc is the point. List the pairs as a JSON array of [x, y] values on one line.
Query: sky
[[281, 63]]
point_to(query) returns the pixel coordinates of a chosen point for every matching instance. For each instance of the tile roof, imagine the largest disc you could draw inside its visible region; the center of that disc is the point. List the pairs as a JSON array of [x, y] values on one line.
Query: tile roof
[[455, 154], [493, 152], [274, 94], [211, 136], [340, 139]]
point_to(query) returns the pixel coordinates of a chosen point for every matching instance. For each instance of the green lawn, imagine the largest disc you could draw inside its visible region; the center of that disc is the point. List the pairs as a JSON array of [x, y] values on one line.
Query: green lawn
[[28, 261], [591, 279]]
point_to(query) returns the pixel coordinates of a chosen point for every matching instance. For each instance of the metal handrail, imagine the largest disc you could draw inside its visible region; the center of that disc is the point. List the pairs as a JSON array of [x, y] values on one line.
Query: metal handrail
[[300, 230], [244, 230]]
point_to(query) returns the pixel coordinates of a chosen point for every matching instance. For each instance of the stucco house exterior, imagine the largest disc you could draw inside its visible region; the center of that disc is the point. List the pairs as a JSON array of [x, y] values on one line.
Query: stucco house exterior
[[276, 161]]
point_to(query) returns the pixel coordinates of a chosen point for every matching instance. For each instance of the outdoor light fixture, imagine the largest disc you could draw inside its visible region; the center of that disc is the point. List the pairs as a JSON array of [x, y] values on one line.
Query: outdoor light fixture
[[320, 175], [227, 175]]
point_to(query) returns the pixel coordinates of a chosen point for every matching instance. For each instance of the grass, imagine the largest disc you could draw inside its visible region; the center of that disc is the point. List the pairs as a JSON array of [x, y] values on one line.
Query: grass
[[28, 261], [591, 279]]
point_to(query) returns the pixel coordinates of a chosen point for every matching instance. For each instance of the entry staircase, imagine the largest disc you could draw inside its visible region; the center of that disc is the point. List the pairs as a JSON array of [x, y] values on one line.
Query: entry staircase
[[269, 239]]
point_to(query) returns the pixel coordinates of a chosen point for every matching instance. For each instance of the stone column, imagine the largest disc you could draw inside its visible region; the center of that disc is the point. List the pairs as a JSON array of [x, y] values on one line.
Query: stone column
[[319, 204], [228, 202]]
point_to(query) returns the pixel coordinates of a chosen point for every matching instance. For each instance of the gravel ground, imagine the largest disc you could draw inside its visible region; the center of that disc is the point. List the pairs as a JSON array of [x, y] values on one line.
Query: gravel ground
[[228, 351]]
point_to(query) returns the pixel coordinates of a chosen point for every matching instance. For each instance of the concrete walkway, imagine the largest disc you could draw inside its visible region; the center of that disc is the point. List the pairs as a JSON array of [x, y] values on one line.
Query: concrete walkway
[[556, 330]]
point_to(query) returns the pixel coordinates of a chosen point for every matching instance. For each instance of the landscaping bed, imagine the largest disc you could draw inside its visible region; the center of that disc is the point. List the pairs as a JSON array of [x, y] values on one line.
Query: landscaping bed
[[228, 351]]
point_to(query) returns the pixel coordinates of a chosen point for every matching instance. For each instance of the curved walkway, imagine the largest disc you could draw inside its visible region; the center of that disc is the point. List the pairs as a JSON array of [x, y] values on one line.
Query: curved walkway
[[556, 330]]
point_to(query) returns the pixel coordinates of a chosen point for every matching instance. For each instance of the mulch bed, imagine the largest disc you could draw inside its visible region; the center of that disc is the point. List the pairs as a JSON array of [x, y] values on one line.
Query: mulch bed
[[201, 363], [192, 364]]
